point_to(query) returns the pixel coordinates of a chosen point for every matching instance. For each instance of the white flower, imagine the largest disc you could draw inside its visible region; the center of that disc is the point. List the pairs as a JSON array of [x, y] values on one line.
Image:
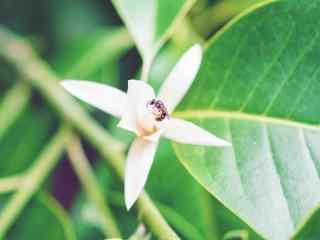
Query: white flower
[[148, 116]]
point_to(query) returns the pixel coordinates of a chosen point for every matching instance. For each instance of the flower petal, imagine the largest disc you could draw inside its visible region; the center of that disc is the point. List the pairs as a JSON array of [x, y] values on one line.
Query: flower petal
[[138, 95], [188, 133], [138, 165], [181, 78], [108, 99]]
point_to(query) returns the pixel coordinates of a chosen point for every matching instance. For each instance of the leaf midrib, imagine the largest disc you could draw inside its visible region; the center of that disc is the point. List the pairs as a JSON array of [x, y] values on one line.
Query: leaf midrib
[[202, 114]]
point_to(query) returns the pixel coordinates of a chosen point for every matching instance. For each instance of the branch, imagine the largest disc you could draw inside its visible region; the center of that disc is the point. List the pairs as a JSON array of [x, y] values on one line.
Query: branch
[[38, 74], [9, 184], [32, 180], [13, 104], [83, 169]]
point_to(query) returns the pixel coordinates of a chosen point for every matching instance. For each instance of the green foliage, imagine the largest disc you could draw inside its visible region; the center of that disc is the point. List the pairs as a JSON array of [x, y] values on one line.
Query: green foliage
[[151, 21], [309, 230], [257, 87], [261, 94], [24, 140], [47, 215]]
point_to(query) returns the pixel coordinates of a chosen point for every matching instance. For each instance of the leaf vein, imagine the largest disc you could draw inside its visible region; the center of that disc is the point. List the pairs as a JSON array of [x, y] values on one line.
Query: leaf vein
[[278, 172], [291, 74], [229, 70], [268, 69]]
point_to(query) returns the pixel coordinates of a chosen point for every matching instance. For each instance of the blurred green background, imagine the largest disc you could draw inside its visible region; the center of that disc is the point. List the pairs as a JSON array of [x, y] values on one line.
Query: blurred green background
[[85, 39]]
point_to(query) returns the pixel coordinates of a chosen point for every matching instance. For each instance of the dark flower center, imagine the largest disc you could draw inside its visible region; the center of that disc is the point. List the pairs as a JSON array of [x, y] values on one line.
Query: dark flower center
[[158, 109]]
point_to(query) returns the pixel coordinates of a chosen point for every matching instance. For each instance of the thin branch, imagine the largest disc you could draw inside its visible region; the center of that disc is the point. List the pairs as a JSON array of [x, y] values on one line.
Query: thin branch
[[91, 186], [39, 75], [9, 184], [146, 65], [33, 179], [60, 213], [13, 104]]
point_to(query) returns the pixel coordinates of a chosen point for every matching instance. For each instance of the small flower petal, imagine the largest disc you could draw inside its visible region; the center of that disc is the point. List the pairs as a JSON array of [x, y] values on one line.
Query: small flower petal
[[188, 133], [108, 99], [138, 165], [181, 78], [138, 95]]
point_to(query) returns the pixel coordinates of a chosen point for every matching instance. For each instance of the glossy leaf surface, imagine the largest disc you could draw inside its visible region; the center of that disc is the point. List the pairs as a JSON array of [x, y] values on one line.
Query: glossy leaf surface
[[259, 86]]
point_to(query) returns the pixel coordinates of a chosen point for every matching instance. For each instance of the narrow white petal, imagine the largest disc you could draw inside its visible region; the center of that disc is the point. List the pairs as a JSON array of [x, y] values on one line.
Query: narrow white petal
[[138, 95], [138, 165], [181, 78], [188, 133], [108, 99]]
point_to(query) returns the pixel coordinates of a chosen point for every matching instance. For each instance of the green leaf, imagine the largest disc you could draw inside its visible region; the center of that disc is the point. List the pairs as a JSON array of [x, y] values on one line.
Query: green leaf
[[88, 56], [94, 57], [309, 230], [190, 210], [24, 140], [183, 199], [151, 21], [43, 218], [17, 97], [87, 218], [259, 88]]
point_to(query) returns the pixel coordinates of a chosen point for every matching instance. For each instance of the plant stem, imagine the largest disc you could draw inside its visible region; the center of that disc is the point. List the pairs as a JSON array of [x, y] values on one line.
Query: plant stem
[[82, 168], [38, 74], [146, 65], [33, 179], [211, 225], [11, 183], [55, 208], [14, 102], [221, 12]]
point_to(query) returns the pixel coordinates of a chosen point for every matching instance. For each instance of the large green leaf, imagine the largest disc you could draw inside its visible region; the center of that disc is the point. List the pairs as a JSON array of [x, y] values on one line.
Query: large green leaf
[[151, 21], [259, 87]]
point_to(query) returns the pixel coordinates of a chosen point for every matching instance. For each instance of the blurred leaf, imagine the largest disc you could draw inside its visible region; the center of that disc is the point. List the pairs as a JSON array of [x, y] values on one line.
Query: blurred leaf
[[87, 219], [94, 57], [86, 216], [92, 53], [24, 140], [184, 203], [258, 87], [181, 192], [70, 20], [212, 18], [43, 218], [151, 21]]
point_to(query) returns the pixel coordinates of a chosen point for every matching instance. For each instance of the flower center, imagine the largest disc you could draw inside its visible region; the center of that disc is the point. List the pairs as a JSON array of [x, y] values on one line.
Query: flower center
[[158, 109]]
